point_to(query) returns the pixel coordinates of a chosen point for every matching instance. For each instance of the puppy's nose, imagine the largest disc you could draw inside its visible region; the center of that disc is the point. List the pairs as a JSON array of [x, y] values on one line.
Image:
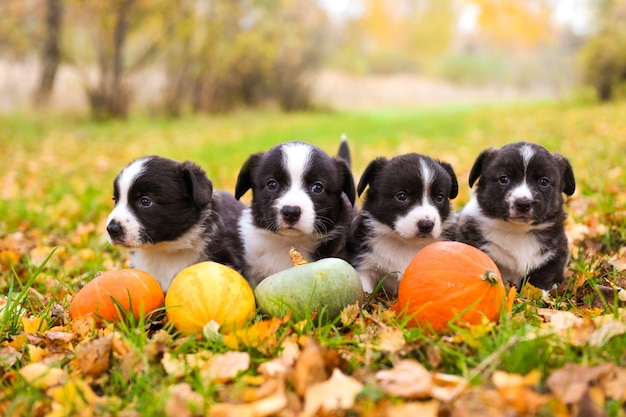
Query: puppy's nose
[[523, 205], [291, 214], [114, 229], [425, 226]]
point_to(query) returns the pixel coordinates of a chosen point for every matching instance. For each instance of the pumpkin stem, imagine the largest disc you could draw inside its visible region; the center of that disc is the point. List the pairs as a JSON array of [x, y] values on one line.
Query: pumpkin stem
[[490, 276], [296, 257]]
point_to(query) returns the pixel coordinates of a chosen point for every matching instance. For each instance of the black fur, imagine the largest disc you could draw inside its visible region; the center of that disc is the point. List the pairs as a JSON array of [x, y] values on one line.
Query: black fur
[[525, 221], [329, 185], [165, 203], [379, 243]]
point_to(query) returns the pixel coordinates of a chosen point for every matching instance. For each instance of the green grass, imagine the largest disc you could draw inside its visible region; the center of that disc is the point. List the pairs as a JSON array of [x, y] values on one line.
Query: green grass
[[56, 177]]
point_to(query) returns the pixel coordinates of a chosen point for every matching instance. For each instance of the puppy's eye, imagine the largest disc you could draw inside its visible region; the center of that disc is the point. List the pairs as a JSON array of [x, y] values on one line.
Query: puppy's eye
[[503, 180], [272, 184], [145, 202], [317, 188], [401, 196], [440, 198], [544, 182]]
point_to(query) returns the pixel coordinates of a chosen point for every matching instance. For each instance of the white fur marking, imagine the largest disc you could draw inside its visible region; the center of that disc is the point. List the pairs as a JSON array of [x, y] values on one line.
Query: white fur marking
[[388, 252], [522, 191], [296, 159], [406, 226], [527, 152], [121, 212]]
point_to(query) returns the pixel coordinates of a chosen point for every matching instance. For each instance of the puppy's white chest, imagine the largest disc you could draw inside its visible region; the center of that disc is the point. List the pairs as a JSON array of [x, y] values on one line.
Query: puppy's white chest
[[387, 253], [267, 252], [163, 265], [514, 247]]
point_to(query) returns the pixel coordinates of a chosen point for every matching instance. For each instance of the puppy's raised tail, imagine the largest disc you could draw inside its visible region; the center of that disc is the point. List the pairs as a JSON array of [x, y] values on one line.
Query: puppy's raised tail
[[344, 150]]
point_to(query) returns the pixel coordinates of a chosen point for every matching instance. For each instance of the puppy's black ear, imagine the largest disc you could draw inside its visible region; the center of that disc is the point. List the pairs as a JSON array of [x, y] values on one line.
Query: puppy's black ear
[[370, 172], [244, 179], [478, 165], [197, 183], [454, 186], [344, 150], [348, 179], [569, 183]]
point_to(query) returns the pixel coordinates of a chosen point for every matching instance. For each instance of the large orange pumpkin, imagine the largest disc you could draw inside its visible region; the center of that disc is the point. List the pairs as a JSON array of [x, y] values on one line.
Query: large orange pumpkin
[[450, 280], [133, 289]]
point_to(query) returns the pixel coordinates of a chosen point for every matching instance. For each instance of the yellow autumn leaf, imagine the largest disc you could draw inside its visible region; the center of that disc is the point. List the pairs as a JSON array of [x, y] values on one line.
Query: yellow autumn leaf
[[258, 335], [36, 353], [34, 324], [74, 396], [42, 376]]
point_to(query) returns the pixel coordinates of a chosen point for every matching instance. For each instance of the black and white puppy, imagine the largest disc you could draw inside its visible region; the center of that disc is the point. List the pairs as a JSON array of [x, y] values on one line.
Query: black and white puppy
[[406, 207], [516, 212], [301, 198], [167, 213]]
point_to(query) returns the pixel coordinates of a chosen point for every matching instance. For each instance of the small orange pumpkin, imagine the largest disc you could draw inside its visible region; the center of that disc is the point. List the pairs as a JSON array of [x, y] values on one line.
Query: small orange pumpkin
[[450, 280], [131, 288]]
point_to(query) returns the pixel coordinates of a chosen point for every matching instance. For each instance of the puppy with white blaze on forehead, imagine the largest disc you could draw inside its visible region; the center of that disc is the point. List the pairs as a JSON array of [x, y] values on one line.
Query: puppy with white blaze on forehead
[[301, 198], [167, 213], [406, 207], [516, 212]]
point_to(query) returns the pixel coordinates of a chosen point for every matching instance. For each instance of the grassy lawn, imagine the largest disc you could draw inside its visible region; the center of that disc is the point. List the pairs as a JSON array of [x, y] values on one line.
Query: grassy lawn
[[56, 178]]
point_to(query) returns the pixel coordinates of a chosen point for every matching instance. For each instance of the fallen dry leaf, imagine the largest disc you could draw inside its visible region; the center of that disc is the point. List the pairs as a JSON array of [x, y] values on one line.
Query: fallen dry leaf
[[94, 357], [73, 397], [389, 339], [607, 327], [34, 324], [310, 367], [43, 376], [517, 391], [182, 401], [447, 387], [83, 326], [408, 379], [414, 409], [279, 367], [8, 356], [614, 384], [335, 394], [261, 335], [571, 382], [225, 366], [267, 406], [563, 320], [220, 367]]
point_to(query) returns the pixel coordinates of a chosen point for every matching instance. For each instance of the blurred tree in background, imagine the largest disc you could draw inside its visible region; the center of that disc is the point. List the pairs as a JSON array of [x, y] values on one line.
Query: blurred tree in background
[[397, 36], [227, 54], [212, 55], [603, 57]]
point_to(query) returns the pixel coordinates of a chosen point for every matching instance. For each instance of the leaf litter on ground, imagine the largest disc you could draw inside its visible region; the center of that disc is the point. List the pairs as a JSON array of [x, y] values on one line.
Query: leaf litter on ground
[[365, 363]]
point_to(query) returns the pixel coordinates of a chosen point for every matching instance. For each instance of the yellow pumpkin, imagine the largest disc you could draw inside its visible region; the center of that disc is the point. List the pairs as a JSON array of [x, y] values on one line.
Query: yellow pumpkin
[[209, 291]]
